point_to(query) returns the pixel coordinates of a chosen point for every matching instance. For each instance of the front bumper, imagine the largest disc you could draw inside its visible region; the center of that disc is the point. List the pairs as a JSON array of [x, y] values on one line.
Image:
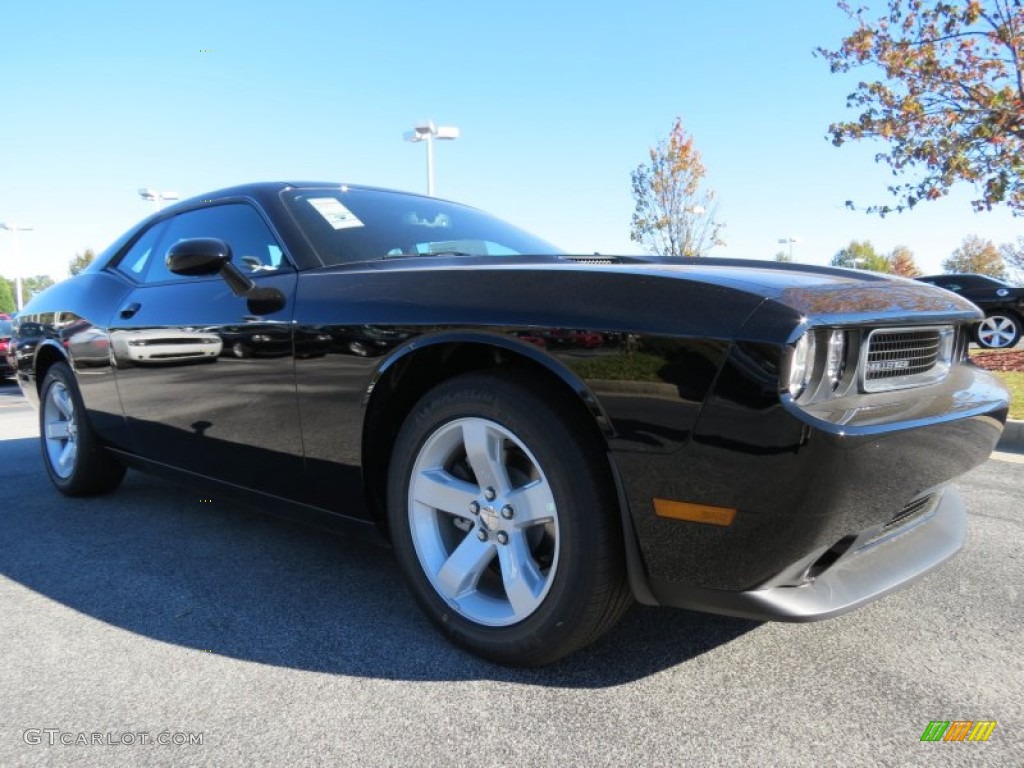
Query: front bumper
[[872, 566], [802, 485]]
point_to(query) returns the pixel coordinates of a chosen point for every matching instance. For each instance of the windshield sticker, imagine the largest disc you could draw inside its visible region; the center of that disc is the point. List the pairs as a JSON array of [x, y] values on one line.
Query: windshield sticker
[[334, 213]]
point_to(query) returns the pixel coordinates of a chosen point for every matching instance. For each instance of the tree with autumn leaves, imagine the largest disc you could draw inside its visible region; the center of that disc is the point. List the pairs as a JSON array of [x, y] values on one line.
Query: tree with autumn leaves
[[977, 256], [901, 262], [946, 97], [1013, 256], [861, 254], [674, 213]]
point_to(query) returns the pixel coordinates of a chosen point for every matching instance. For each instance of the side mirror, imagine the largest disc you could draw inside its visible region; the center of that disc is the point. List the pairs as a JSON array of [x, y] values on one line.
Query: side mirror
[[198, 256], [209, 256]]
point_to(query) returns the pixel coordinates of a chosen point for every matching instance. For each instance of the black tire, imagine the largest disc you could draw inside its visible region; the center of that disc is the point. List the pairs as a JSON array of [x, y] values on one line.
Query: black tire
[[999, 330], [582, 589], [90, 469]]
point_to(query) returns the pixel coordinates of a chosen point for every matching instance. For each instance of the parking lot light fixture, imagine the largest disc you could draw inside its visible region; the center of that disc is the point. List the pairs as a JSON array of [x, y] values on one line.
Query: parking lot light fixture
[[157, 197], [14, 229], [427, 131], [791, 241]]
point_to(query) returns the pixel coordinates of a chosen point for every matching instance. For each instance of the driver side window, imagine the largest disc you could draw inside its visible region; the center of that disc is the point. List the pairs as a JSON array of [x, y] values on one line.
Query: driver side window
[[254, 249]]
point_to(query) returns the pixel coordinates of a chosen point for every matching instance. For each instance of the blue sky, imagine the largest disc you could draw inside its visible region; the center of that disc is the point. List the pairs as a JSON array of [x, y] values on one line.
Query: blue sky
[[557, 102]]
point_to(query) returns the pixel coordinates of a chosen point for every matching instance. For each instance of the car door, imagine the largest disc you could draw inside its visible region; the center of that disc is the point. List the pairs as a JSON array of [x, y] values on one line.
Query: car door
[[980, 290], [190, 400]]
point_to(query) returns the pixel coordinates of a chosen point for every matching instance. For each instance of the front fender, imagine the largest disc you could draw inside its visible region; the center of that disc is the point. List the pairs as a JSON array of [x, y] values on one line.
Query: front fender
[[500, 341]]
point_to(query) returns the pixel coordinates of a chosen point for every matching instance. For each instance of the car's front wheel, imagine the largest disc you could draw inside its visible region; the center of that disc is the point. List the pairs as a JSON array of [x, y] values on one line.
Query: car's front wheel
[[505, 522], [998, 330], [76, 461]]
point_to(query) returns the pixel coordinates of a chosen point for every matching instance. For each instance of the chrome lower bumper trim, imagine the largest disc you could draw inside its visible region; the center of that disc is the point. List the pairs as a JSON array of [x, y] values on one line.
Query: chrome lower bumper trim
[[857, 578]]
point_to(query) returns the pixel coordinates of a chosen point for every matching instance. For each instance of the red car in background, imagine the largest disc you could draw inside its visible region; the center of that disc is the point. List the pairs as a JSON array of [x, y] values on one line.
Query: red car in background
[[6, 368]]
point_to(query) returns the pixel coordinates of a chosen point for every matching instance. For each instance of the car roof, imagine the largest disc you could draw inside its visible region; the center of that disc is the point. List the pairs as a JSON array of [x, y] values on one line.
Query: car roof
[[262, 189], [955, 275]]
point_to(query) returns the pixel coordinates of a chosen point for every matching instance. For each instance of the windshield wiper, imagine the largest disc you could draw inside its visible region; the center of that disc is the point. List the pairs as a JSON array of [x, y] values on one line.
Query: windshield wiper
[[432, 253]]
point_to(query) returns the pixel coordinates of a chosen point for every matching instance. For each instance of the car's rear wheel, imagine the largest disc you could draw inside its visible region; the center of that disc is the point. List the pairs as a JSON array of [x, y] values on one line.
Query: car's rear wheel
[[505, 522], [998, 330], [76, 461]]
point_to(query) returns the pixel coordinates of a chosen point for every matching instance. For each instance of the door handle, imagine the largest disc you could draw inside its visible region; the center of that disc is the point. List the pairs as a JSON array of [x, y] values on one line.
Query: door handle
[[130, 310]]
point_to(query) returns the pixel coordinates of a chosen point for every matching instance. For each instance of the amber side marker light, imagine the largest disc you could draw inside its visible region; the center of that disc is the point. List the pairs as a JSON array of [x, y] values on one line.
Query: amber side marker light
[[695, 513]]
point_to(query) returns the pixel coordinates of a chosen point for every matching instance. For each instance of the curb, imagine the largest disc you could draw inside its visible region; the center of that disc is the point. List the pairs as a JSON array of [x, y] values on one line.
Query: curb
[[1013, 437]]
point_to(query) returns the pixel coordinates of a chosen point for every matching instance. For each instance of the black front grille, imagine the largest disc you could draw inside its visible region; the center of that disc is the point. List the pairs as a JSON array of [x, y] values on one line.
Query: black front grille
[[893, 354]]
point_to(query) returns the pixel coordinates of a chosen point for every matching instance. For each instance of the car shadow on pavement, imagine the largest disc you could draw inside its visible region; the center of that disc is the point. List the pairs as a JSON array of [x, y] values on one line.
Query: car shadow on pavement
[[205, 573]]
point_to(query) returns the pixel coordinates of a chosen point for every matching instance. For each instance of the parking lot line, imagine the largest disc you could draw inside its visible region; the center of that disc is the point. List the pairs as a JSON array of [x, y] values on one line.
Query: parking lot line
[[1013, 458]]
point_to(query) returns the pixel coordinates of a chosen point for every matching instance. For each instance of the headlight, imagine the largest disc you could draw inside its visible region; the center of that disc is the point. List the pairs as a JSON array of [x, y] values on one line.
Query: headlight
[[802, 365], [836, 358]]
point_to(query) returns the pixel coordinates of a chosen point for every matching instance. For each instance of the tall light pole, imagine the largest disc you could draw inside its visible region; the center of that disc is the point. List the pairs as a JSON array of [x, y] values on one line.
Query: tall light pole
[[790, 240], [156, 197], [427, 131], [14, 229]]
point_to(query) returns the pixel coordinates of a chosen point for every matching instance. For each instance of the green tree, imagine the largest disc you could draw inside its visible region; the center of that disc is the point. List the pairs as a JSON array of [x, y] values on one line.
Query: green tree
[[7, 304], [674, 214], [901, 262], [30, 286], [977, 256], [80, 262], [947, 97], [861, 254], [783, 256]]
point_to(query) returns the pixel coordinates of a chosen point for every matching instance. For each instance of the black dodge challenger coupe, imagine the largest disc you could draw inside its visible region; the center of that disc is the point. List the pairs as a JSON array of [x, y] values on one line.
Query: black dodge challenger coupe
[[1002, 303], [542, 437]]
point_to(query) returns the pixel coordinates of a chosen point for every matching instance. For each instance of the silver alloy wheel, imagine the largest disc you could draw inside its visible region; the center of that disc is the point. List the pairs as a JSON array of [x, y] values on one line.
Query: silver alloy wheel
[[997, 331], [60, 430], [483, 522]]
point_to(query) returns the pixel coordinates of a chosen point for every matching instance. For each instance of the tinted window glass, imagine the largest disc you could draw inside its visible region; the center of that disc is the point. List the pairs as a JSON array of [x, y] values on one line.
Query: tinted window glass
[[983, 281], [966, 281], [253, 248], [135, 261], [102, 260], [347, 225]]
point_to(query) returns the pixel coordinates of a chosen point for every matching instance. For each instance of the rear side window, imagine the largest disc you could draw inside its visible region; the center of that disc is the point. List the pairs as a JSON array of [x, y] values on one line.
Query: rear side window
[[135, 261]]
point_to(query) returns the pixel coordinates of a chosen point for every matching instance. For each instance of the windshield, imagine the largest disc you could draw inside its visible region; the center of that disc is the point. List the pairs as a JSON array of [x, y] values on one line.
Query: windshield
[[350, 225]]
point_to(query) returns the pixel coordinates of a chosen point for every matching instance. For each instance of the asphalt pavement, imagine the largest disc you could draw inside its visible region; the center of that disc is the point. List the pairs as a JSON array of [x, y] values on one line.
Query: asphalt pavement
[[158, 614]]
